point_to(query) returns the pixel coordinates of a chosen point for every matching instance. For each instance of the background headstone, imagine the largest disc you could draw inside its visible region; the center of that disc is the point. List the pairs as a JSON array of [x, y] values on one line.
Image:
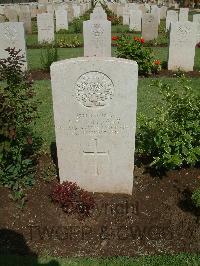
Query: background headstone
[[183, 14], [126, 15], [135, 20], [163, 12], [196, 20], [61, 20], [97, 35], [25, 17], [12, 35], [45, 23], [172, 16], [182, 46], [149, 27]]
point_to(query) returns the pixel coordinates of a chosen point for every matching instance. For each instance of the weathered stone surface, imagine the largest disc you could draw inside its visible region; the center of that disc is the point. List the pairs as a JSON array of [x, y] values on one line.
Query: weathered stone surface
[[25, 17], [183, 14], [11, 14], [135, 20], [45, 23], [172, 16], [196, 20], [126, 15], [61, 20], [163, 12], [95, 120], [97, 38], [149, 27], [182, 46], [12, 35]]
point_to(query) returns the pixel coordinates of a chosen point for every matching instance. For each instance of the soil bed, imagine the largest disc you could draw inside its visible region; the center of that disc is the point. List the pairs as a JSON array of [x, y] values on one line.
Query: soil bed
[[157, 218]]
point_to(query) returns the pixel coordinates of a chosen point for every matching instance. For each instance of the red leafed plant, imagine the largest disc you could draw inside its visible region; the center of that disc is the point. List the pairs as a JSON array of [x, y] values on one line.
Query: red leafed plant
[[72, 198]]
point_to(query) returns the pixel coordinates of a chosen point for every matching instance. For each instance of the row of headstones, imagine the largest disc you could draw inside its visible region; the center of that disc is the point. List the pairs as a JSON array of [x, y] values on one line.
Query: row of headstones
[[13, 33], [45, 21], [97, 37], [183, 38], [24, 13]]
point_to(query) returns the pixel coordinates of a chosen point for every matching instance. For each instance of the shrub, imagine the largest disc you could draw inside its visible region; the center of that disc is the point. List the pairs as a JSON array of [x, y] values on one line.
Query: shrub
[[17, 112], [49, 54], [196, 198], [133, 49], [77, 25], [115, 20], [171, 138], [72, 199]]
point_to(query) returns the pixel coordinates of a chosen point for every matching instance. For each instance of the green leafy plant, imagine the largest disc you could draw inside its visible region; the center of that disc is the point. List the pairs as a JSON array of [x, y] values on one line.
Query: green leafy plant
[[132, 48], [72, 199], [196, 198], [115, 20], [77, 25], [49, 54], [171, 138], [17, 113]]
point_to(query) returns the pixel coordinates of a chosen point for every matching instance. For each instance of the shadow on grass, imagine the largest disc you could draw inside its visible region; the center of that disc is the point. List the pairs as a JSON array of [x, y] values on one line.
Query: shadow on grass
[[14, 251]]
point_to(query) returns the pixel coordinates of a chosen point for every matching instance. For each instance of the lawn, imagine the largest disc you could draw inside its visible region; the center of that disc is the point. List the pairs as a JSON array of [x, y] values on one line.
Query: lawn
[[164, 260], [34, 62]]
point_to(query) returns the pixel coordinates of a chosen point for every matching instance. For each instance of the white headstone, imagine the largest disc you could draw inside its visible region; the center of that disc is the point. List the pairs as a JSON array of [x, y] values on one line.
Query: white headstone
[[33, 10], [12, 35], [98, 13], [42, 8], [182, 46], [156, 12], [97, 36], [25, 16], [77, 10], [135, 20], [196, 20], [61, 20], [95, 120], [149, 27], [183, 14], [163, 12], [45, 23], [126, 15], [172, 16], [11, 14], [120, 10]]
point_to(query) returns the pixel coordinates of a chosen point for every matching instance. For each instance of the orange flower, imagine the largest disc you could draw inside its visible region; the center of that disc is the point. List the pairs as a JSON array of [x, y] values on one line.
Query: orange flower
[[136, 39], [115, 38], [157, 62]]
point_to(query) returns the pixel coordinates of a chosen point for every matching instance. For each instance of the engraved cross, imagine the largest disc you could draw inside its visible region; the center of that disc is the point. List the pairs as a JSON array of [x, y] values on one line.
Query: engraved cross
[[95, 154]]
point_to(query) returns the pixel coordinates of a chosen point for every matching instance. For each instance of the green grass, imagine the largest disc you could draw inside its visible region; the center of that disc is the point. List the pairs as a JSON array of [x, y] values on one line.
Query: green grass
[[33, 56], [162, 260], [160, 53], [148, 96]]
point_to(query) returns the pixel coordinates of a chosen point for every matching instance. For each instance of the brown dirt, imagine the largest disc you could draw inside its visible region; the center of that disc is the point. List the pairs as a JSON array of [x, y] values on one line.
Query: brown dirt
[[157, 218], [40, 74]]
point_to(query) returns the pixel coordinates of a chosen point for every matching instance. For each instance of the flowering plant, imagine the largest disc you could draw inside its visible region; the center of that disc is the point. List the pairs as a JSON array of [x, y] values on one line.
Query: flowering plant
[[133, 48], [69, 43], [72, 199]]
